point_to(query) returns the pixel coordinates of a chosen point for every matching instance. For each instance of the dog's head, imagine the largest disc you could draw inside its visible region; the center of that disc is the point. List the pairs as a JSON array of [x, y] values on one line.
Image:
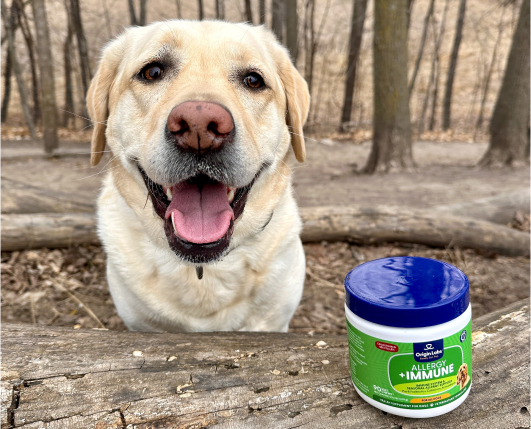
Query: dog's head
[[197, 114]]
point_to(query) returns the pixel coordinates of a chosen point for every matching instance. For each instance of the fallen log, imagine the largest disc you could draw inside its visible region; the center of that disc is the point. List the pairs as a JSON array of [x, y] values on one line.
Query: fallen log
[[59, 377], [363, 225], [391, 224], [498, 209], [31, 231]]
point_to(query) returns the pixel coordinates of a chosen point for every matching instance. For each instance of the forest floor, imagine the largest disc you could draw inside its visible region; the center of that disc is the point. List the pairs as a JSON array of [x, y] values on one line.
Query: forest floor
[[46, 286]]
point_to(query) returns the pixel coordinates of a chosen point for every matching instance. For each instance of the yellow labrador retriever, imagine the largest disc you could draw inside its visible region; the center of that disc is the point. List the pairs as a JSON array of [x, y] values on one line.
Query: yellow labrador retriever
[[197, 214]]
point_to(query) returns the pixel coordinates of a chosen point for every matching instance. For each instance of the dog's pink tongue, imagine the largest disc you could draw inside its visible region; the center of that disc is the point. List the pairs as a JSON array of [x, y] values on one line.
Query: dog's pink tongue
[[200, 215]]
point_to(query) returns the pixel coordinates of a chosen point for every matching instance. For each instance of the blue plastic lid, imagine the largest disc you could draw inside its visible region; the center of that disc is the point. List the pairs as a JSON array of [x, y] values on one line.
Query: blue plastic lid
[[407, 292]]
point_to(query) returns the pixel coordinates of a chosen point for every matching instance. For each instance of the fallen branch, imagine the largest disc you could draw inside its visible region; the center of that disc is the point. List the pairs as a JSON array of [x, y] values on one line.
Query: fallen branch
[[392, 224], [59, 377], [358, 224]]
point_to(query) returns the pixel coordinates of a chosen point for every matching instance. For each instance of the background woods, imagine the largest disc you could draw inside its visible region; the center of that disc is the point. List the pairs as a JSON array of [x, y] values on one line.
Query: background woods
[[455, 55]]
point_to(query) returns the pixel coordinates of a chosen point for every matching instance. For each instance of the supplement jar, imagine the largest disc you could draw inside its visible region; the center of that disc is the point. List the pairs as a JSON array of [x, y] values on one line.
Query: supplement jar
[[409, 331]]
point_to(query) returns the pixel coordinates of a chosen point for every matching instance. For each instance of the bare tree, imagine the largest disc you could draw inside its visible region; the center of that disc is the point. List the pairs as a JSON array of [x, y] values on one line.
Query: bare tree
[[220, 9], [248, 11], [200, 9], [312, 38], [68, 114], [84, 63], [10, 35], [421, 46], [292, 29], [141, 20], [278, 10], [28, 38], [179, 12], [488, 76], [12, 17], [447, 104], [509, 125], [49, 109], [359, 8], [391, 146], [262, 10]]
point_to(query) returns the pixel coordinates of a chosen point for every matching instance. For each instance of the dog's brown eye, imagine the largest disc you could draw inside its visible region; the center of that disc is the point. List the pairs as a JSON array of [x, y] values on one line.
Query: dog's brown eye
[[254, 80], [152, 72]]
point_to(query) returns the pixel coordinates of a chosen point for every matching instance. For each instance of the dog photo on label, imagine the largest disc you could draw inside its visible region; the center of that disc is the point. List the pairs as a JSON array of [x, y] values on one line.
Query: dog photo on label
[[197, 214]]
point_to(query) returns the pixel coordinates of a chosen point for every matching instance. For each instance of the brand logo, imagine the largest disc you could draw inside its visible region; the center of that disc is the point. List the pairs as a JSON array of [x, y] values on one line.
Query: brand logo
[[462, 338], [429, 351]]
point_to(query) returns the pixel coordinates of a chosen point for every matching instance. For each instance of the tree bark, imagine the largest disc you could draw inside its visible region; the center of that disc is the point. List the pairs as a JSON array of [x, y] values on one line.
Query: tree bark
[[84, 63], [220, 9], [447, 105], [427, 19], [262, 9], [248, 12], [24, 26], [479, 121], [69, 110], [359, 8], [132, 13], [200, 10], [391, 147], [7, 85], [8, 19], [292, 29], [509, 125], [278, 10], [58, 377], [143, 12], [49, 108]]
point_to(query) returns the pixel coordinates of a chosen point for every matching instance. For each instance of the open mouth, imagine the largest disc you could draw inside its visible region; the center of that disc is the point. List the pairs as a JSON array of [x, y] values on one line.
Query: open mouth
[[198, 214]]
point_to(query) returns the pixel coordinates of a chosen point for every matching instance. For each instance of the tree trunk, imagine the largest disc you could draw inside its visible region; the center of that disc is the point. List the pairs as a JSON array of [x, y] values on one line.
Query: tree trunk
[[262, 9], [220, 9], [44, 47], [248, 12], [69, 113], [359, 8], [86, 74], [143, 12], [479, 121], [9, 24], [200, 9], [179, 12], [391, 147], [509, 126], [421, 47], [292, 29], [24, 26], [312, 39], [277, 23], [132, 14], [447, 105], [7, 85]]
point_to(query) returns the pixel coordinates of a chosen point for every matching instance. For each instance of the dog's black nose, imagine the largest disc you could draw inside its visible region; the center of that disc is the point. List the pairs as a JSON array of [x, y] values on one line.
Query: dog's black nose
[[200, 126]]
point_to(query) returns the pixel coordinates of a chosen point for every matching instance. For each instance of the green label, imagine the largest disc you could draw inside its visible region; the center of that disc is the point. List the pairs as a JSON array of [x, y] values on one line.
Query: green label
[[411, 375]]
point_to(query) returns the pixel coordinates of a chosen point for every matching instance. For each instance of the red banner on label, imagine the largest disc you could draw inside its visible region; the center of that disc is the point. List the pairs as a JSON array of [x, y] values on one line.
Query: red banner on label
[[386, 347]]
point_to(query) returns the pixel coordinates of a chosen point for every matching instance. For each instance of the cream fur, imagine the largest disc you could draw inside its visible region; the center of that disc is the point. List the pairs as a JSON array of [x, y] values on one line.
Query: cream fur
[[258, 284]]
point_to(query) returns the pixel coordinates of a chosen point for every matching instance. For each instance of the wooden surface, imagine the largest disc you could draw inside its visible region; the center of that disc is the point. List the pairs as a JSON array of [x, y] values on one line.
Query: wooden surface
[[64, 378], [31, 231], [360, 224], [393, 224]]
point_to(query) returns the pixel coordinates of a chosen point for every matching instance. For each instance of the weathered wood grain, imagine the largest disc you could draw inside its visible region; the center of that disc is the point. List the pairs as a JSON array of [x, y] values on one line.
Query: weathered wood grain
[[63, 378], [364, 225], [31, 231], [393, 224]]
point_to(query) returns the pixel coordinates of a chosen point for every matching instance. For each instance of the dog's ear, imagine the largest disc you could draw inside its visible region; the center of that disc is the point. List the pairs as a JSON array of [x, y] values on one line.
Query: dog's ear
[[98, 97], [298, 103]]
